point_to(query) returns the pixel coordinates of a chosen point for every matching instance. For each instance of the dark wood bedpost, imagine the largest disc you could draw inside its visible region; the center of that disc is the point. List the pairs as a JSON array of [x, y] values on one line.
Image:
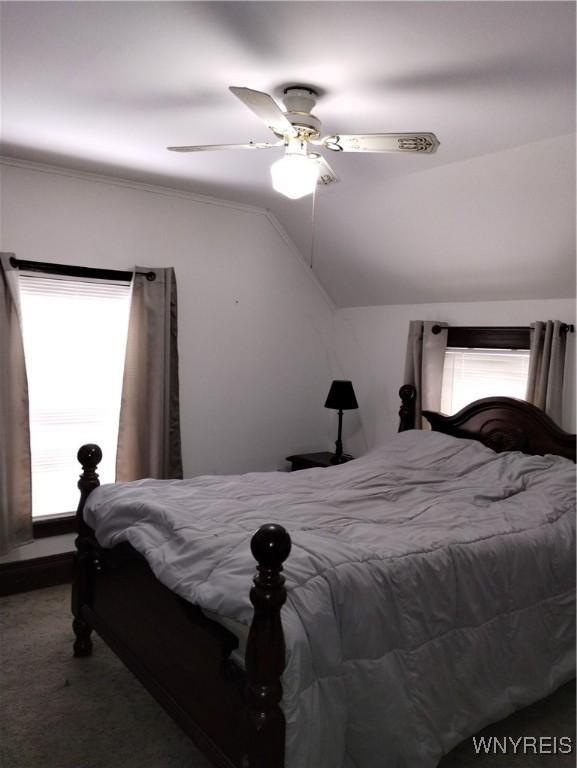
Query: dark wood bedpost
[[265, 650], [407, 393], [89, 456]]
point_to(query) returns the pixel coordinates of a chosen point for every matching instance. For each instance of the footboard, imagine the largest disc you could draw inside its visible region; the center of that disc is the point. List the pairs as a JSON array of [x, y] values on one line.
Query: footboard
[[180, 656]]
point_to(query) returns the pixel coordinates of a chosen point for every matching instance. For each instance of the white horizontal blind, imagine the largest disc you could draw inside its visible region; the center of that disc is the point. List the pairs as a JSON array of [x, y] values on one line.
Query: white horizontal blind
[[74, 343], [470, 374]]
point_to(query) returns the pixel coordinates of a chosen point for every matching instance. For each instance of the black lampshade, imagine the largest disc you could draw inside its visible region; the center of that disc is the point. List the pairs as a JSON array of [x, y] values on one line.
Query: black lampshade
[[341, 396]]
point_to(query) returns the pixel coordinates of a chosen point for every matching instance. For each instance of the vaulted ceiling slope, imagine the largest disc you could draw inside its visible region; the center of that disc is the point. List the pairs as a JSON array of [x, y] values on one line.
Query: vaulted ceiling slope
[[106, 86]]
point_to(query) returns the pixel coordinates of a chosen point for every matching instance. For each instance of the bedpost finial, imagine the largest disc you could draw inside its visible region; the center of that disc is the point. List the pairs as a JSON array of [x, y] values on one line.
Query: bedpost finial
[[407, 414], [89, 456], [270, 545], [407, 393]]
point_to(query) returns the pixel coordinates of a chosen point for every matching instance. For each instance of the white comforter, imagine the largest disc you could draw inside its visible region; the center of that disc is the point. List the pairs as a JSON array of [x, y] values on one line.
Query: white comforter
[[431, 586]]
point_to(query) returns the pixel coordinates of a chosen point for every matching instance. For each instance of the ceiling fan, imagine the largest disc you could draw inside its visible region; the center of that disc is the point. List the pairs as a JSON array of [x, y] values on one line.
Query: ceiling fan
[[298, 130]]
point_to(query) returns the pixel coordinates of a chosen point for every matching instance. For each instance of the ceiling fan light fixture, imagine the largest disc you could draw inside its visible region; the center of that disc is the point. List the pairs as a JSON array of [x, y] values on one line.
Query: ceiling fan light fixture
[[295, 175]]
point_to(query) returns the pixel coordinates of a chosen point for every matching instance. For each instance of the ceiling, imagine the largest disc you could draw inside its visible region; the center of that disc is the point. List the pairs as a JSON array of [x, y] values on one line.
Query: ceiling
[[106, 86]]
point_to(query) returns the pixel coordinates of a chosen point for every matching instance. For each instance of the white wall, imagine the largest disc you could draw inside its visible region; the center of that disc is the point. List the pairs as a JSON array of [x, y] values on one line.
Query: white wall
[[259, 342], [371, 346], [254, 327]]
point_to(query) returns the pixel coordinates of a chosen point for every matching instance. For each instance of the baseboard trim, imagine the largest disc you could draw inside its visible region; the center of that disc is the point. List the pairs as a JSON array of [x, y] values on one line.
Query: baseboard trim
[[40, 572]]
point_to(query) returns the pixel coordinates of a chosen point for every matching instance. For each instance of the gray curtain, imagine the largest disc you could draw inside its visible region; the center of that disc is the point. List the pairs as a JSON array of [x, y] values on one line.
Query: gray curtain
[[547, 368], [15, 464], [424, 366], [149, 430]]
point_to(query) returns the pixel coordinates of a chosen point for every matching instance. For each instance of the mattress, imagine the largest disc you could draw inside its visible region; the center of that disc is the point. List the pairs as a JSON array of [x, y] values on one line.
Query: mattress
[[431, 586]]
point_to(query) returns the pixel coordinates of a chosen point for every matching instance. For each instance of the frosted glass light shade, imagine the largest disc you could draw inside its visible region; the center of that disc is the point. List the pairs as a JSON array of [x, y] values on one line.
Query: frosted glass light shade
[[294, 175]]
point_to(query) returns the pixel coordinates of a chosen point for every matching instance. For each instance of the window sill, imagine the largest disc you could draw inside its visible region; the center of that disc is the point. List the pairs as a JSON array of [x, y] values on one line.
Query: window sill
[[56, 525]]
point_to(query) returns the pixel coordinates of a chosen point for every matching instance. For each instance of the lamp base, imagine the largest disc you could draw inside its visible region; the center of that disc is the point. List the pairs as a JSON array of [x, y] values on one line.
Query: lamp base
[[342, 459]]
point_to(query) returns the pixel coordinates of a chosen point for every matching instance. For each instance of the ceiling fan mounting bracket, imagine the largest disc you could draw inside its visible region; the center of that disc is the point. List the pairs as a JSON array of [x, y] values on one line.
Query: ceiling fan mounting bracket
[[299, 99], [301, 89]]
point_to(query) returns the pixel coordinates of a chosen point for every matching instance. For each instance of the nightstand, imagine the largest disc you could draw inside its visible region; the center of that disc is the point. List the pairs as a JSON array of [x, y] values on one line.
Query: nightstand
[[311, 460]]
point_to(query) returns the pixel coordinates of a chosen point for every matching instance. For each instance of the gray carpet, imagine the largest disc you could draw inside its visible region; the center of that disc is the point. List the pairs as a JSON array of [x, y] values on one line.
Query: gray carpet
[[60, 712]]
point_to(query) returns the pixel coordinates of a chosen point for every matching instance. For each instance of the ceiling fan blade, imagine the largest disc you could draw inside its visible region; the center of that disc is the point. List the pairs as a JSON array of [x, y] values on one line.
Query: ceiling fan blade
[[326, 174], [424, 143], [265, 107], [208, 147]]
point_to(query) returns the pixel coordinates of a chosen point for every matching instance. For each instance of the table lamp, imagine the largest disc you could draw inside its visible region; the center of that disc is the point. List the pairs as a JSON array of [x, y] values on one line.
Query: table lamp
[[341, 398]]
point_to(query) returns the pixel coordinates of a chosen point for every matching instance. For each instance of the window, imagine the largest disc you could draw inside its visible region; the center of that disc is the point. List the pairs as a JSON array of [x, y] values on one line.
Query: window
[[470, 374], [484, 362], [74, 334]]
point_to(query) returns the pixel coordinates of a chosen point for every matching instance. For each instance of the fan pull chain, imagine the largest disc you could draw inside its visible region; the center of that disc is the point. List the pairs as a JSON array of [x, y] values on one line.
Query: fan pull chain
[[313, 226]]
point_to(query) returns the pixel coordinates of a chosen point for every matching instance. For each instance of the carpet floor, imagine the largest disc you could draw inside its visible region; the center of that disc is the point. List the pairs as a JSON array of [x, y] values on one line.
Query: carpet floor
[[61, 712]]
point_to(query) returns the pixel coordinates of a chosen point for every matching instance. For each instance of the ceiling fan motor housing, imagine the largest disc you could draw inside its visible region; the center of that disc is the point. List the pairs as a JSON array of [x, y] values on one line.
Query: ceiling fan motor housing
[[299, 102]]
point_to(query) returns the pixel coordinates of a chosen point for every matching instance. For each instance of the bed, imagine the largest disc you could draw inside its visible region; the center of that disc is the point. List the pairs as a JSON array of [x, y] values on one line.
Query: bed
[[454, 581]]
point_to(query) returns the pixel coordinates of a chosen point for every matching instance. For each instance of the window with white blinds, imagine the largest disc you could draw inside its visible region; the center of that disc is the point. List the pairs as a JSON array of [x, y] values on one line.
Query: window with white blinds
[[74, 342], [470, 374]]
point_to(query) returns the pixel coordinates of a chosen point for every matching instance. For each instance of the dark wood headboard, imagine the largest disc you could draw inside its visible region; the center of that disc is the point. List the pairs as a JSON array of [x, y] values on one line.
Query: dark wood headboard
[[501, 423]]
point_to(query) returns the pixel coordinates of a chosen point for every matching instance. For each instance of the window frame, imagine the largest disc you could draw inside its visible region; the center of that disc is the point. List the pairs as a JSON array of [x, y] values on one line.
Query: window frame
[[57, 525], [486, 337]]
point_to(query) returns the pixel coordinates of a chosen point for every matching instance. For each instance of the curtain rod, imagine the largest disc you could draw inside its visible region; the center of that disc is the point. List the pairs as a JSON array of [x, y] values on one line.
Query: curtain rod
[[73, 271], [564, 328]]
